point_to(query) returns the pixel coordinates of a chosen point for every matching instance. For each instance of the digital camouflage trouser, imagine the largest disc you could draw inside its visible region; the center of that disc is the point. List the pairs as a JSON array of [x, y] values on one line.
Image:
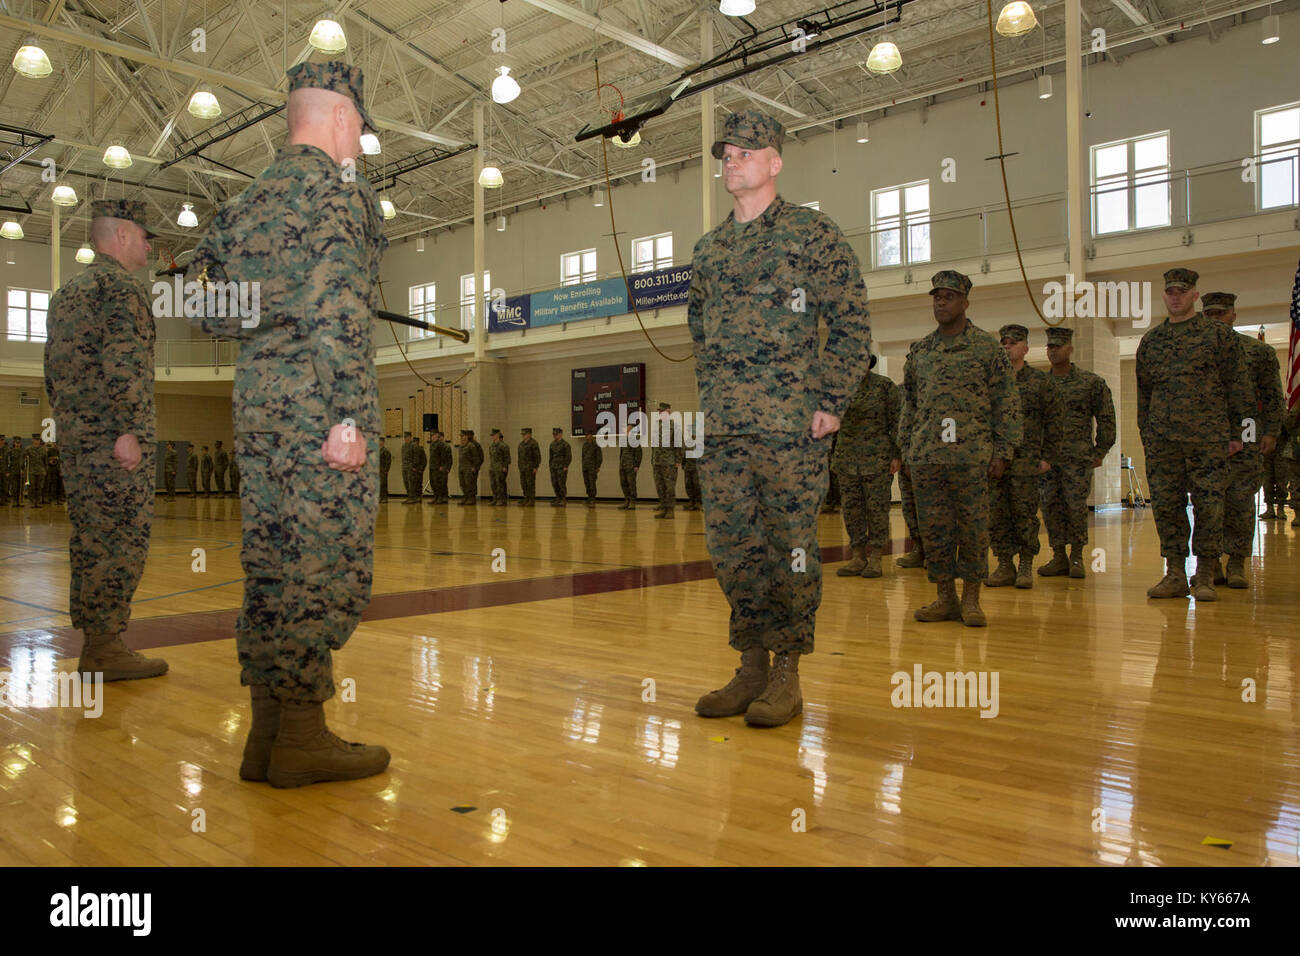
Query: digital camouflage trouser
[[1013, 515], [666, 485], [865, 497], [589, 476], [908, 495], [1245, 472], [762, 496], [111, 511], [691, 477], [627, 479], [1063, 493], [1175, 470], [309, 534], [952, 503]]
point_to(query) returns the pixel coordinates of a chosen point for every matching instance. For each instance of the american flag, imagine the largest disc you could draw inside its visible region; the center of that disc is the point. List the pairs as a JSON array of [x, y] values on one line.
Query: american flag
[[1293, 351]]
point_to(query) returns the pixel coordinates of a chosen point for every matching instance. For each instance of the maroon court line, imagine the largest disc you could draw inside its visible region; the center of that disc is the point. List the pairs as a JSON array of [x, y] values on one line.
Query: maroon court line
[[198, 626]]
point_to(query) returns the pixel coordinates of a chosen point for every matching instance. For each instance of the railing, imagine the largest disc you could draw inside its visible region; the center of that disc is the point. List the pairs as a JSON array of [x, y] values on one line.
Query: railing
[[1196, 196]]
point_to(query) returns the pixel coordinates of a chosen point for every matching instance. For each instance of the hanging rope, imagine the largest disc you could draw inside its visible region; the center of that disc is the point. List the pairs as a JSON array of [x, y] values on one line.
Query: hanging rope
[[1006, 190], [613, 229]]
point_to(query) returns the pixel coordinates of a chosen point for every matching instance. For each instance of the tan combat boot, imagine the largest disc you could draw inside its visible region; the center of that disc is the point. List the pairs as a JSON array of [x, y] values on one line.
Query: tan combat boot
[[947, 608], [106, 654], [1076, 560], [856, 566], [971, 613], [1236, 576], [266, 724], [1219, 576], [913, 559], [1203, 580], [1025, 573], [1172, 585], [305, 751], [780, 701], [750, 681], [872, 570], [1004, 575], [1058, 566]]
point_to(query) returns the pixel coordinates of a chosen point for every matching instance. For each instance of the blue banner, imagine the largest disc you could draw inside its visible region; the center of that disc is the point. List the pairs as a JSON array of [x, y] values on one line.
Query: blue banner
[[659, 289], [512, 316]]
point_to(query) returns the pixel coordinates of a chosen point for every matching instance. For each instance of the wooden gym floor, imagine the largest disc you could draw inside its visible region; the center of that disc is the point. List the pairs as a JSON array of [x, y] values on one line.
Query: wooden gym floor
[[542, 714]]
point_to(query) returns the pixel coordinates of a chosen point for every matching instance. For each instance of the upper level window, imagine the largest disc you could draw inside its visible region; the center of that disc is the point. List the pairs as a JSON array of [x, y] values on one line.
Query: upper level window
[[1130, 180], [900, 222], [1277, 144], [578, 267], [27, 311], [423, 305], [467, 298], [652, 252]]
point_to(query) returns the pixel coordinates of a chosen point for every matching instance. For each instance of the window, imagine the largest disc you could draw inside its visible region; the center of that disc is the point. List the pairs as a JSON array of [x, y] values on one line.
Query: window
[[1130, 181], [652, 252], [423, 306], [1277, 144], [467, 298], [900, 219], [27, 311], [815, 204], [578, 267]]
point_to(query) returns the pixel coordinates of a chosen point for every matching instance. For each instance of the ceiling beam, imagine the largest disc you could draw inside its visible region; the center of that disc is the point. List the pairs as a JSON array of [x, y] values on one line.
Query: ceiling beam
[[626, 37]]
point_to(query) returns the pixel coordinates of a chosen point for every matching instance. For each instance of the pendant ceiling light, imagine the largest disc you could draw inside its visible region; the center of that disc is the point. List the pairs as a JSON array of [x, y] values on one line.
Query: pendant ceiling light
[[116, 156], [736, 8], [11, 230], [1044, 87], [598, 197], [204, 105], [501, 223], [187, 217], [30, 61], [884, 58], [862, 136], [327, 36], [491, 178], [390, 211], [370, 144], [504, 88], [64, 196], [85, 255], [1272, 32], [1016, 19]]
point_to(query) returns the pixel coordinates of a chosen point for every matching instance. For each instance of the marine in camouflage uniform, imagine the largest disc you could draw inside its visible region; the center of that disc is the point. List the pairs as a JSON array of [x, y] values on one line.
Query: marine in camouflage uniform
[[592, 458], [17, 470], [4, 470], [419, 461], [1262, 383], [629, 460], [499, 465], [1275, 478], [385, 463], [440, 462], [234, 476], [915, 556], [36, 471], [667, 452], [192, 471], [1085, 398], [560, 457], [1190, 406], [691, 467], [207, 471], [530, 459], [762, 282], [169, 471], [832, 503], [221, 464], [53, 475], [309, 231], [99, 373], [959, 427], [408, 468], [866, 458], [1013, 498], [471, 460]]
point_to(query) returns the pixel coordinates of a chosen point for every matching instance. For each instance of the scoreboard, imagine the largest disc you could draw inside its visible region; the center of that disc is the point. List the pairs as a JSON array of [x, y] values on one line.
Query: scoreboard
[[604, 389]]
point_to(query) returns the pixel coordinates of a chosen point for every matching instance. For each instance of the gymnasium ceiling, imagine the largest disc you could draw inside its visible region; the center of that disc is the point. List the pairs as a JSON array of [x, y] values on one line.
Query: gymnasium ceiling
[[427, 63]]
